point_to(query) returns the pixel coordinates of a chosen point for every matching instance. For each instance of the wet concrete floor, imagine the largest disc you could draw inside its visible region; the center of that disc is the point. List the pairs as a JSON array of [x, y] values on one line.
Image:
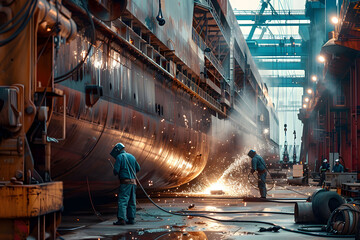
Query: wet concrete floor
[[151, 223]]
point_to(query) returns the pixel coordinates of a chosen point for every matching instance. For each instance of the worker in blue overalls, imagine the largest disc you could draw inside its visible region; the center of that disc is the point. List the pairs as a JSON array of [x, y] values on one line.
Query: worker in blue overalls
[[258, 164], [338, 168], [125, 167]]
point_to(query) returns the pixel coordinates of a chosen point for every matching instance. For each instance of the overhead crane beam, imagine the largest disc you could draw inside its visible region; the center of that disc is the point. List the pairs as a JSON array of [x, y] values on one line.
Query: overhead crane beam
[[276, 81], [274, 50], [249, 15], [280, 65], [272, 41], [284, 24]]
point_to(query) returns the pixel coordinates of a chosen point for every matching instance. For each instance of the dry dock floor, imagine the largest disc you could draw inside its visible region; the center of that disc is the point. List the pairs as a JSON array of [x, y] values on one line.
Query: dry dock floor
[[151, 223]]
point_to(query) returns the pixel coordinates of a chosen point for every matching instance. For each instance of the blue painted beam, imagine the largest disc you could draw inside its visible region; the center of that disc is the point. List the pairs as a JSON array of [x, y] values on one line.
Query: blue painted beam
[[278, 51], [263, 18], [276, 81], [280, 65], [261, 11], [284, 24], [273, 41]]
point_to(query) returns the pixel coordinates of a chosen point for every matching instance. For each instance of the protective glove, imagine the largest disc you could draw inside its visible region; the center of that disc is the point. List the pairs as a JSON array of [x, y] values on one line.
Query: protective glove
[[252, 170]]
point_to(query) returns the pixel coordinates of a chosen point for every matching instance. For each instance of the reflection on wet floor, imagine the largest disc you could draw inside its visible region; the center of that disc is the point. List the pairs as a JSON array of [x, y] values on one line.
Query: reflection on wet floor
[[181, 235], [239, 218]]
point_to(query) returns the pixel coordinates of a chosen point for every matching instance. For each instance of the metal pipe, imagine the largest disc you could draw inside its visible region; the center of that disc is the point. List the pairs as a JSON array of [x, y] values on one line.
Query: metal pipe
[[47, 161], [49, 15], [64, 117], [303, 213]]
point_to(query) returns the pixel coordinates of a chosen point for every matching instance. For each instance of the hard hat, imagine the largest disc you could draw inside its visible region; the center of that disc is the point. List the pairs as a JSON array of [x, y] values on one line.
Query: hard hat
[[337, 160], [325, 160], [116, 150], [251, 153]]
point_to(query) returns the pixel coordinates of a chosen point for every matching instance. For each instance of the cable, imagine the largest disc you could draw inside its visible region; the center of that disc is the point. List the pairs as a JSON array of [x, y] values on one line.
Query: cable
[[2, 30], [46, 42], [233, 220], [238, 212], [319, 228], [256, 178], [23, 24], [80, 64], [79, 162], [97, 214], [253, 185]]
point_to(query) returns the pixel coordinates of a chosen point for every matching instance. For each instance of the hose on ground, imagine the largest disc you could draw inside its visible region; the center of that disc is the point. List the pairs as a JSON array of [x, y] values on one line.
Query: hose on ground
[[232, 220]]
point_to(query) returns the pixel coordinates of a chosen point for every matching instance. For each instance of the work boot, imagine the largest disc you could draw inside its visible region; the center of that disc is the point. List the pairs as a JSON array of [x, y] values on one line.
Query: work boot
[[130, 221], [119, 222]]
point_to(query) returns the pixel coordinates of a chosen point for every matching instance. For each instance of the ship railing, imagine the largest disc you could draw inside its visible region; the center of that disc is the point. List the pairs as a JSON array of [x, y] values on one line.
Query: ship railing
[[196, 88], [218, 21], [242, 103], [134, 38], [198, 40], [160, 61], [238, 58], [209, 55], [244, 112]]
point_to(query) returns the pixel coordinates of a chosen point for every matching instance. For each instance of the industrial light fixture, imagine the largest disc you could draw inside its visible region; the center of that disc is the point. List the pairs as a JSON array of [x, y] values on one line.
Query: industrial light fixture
[[314, 78], [321, 58], [304, 105], [306, 99], [160, 17], [266, 131], [335, 20], [309, 91]]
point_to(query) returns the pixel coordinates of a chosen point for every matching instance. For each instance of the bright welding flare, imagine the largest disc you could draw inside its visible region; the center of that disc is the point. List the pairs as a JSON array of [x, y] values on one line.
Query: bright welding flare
[[217, 186], [231, 185]]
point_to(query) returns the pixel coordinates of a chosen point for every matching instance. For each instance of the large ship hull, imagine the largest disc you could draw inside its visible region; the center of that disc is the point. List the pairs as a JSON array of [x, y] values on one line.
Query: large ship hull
[[180, 98]]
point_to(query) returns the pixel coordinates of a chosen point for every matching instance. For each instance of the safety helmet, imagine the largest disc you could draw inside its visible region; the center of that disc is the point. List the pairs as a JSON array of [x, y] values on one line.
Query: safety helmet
[[325, 160], [117, 149], [337, 160], [251, 153]]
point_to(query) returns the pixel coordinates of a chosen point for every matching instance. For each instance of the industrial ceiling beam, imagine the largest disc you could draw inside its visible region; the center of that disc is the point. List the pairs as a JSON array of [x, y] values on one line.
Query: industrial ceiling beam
[[272, 41], [276, 81], [278, 51], [280, 65], [268, 16], [284, 24]]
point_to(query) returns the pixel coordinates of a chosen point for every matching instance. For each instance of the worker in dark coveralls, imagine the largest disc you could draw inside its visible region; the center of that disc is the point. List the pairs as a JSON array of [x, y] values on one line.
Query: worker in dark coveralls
[[338, 168], [325, 167], [125, 167], [258, 164]]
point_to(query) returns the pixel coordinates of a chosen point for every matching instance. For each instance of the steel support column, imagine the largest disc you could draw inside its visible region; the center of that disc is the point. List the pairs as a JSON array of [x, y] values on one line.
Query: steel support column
[[354, 75]]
